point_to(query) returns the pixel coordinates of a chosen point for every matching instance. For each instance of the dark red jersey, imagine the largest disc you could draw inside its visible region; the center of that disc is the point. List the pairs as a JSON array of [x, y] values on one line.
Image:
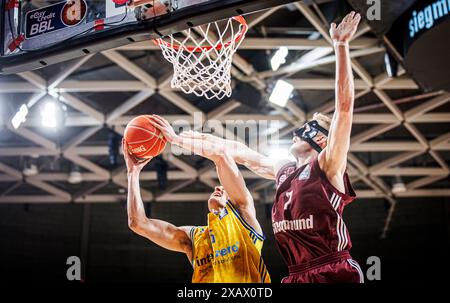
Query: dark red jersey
[[307, 214]]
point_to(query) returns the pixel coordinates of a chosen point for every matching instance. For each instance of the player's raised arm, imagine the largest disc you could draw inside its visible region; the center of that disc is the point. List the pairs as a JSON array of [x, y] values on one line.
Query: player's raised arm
[[256, 162], [335, 155], [160, 232], [229, 175], [241, 153]]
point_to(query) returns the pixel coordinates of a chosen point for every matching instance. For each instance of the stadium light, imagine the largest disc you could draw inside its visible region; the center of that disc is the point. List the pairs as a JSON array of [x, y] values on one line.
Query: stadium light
[[278, 153], [391, 65], [20, 117], [279, 58], [398, 185], [30, 167], [75, 177], [48, 114], [281, 93]]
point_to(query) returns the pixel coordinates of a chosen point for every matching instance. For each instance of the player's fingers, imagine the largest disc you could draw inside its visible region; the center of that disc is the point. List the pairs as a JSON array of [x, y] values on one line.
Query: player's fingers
[[351, 15], [156, 118], [357, 19], [157, 121], [345, 18], [333, 26], [157, 125], [165, 121], [161, 121]]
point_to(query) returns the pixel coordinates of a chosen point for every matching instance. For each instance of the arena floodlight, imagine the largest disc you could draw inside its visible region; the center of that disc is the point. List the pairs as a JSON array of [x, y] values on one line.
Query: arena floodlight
[[398, 185], [75, 176], [20, 117], [391, 65], [281, 93], [49, 114], [279, 58], [30, 167]]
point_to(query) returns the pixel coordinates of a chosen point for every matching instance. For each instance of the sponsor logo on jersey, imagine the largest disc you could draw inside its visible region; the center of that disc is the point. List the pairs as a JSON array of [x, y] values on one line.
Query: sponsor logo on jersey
[[285, 175], [221, 252], [305, 173], [299, 224], [232, 249], [139, 149]]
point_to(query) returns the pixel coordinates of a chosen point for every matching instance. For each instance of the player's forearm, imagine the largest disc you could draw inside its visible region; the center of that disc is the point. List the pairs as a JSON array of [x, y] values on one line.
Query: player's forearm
[[232, 180], [201, 147], [345, 87], [135, 205], [254, 161], [341, 125], [239, 152]]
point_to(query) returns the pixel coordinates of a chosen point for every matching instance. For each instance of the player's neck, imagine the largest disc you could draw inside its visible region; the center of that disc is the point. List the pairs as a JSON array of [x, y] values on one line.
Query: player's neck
[[305, 158]]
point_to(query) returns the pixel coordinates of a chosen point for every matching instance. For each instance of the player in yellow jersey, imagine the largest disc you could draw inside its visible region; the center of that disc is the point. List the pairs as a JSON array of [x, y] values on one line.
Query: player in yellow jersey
[[228, 248]]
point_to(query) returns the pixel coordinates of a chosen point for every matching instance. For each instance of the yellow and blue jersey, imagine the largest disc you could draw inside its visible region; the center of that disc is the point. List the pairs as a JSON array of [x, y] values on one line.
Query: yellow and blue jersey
[[227, 250]]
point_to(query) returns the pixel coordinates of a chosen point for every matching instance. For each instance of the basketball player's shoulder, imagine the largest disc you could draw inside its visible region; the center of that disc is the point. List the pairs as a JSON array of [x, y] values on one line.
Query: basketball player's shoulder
[[282, 164]]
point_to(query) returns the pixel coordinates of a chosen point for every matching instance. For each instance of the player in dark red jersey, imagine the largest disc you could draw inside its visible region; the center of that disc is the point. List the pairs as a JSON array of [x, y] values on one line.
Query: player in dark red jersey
[[313, 190]]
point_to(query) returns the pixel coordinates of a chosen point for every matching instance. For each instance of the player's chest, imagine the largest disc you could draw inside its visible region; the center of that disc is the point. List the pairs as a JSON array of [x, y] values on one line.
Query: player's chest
[[302, 197]]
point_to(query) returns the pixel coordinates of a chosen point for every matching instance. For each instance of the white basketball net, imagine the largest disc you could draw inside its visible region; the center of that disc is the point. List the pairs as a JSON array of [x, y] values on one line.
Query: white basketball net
[[202, 57]]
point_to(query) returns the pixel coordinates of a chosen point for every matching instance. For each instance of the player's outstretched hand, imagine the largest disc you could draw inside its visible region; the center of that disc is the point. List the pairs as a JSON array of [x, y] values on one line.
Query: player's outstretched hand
[[164, 126], [347, 29], [132, 164]]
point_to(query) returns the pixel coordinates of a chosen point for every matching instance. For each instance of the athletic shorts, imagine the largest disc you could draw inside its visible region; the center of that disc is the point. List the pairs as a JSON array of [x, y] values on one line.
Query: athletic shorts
[[333, 268]]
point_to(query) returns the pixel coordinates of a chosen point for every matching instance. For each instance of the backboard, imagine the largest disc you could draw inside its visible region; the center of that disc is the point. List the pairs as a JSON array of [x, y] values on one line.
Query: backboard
[[38, 33]]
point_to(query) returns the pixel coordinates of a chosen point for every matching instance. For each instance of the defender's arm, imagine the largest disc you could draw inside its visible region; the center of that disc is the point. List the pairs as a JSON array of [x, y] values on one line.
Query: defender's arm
[[339, 136], [241, 154]]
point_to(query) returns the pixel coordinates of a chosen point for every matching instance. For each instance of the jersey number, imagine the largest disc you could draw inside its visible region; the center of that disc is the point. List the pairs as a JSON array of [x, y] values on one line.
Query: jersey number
[[289, 201]]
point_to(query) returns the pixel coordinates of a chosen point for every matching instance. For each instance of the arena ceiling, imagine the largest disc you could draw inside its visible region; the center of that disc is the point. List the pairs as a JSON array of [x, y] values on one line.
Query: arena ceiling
[[399, 130]]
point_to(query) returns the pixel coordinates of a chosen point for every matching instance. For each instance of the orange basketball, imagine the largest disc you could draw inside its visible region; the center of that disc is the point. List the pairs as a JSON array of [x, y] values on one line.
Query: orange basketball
[[143, 139]]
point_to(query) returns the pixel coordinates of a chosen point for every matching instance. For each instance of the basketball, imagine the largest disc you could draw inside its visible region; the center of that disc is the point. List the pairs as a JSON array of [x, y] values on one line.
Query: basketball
[[143, 139]]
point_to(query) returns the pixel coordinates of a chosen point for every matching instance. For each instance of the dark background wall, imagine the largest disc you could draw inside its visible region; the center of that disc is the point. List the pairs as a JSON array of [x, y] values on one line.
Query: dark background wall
[[37, 239]]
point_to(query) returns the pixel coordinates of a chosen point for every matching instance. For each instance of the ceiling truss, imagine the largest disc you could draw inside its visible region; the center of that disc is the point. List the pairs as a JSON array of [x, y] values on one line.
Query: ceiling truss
[[146, 86]]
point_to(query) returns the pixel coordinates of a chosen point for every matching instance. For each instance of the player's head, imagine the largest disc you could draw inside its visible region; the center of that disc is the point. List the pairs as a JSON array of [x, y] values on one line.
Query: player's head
[[312, 136], [218, 199]]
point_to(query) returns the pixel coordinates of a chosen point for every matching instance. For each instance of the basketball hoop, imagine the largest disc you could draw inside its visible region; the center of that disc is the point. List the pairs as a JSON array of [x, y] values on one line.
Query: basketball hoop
[[202, 57]]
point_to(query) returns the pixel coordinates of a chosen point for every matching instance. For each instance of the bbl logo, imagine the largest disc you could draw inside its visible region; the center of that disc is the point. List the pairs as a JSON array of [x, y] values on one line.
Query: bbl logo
[[54, 17], [73, 12]]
